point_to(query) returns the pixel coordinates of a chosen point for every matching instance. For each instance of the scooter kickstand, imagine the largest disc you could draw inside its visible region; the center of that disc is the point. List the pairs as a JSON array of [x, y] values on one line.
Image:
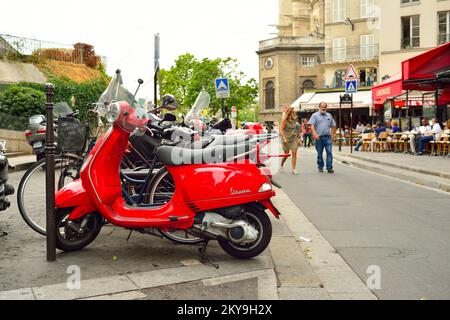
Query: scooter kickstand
[[203, 259]]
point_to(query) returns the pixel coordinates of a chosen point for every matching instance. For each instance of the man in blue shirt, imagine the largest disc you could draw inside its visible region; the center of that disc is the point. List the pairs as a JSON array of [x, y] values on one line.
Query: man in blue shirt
[[322, 124]]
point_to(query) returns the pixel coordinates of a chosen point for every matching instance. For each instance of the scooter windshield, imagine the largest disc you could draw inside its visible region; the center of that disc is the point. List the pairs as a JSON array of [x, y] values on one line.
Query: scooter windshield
[[201, 103], [61, 110], [116, 92]]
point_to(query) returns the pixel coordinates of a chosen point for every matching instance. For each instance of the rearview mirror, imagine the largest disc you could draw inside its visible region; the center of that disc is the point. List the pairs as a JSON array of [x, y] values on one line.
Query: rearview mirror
[[169, 102]]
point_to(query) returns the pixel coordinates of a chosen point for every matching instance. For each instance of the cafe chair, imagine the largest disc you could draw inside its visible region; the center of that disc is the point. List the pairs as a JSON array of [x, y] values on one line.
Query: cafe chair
[[381, 144]]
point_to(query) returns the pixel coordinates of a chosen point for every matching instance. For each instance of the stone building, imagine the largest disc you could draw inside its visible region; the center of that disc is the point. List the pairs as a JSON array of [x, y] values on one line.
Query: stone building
[[409, 28], [290, 63]]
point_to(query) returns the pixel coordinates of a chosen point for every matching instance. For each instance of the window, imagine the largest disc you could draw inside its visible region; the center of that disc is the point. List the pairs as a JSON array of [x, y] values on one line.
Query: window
[[367, 9], [308, 61], [367, 46], [308, 84], [270, 95], [444, 27], [367, 77], [339, 49], [338, 10], [410, 32], [338, 81], [405, 2]]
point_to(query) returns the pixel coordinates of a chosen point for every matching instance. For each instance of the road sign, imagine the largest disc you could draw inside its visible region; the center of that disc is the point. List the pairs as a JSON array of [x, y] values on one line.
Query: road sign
[[346, 99], [222, 88], [233, 112], [351, 86], [351, 73]]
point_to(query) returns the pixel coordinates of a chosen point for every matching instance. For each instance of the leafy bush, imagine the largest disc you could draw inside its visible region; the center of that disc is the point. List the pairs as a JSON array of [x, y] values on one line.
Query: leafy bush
[[10, 122], [22, 101], [81, 94]]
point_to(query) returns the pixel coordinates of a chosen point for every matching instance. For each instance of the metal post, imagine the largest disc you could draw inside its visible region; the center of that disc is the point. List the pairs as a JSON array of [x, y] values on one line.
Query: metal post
[[351, 125], [223, 109], [407, 110], [50, 151], [436, 98], [155, 81], [340, 124]]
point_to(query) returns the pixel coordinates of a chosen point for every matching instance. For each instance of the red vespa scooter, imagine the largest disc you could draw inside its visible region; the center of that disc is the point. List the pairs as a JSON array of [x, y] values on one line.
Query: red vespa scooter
[[221, 200]]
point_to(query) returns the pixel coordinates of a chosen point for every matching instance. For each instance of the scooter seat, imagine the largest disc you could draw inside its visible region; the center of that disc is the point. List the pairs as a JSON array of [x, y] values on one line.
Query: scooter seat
[[176, 156], [228, 140]]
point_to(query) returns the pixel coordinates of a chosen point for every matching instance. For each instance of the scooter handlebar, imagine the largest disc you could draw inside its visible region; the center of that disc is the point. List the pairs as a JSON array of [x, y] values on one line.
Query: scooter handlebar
[[156, 127]]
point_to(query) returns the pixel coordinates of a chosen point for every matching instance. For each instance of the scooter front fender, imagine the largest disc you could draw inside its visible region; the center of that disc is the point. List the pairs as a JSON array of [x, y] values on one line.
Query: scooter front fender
[[75, 196]]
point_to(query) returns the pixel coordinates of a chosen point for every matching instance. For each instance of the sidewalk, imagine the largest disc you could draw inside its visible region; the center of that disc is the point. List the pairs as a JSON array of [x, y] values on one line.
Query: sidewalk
[[149, 268], [430, 171], [22, 163]]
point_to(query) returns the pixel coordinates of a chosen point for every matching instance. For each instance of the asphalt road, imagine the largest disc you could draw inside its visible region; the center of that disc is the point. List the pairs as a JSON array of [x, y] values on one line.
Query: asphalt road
[[374, 220]]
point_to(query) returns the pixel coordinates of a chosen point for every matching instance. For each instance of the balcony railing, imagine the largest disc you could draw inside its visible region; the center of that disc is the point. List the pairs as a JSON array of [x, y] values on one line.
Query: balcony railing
[[290, 42], [443, 38], [351, 54]]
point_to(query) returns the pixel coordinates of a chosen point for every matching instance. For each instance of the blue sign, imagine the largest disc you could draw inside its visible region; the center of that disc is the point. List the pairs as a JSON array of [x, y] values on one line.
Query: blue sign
[[351, 86], [222, 88]]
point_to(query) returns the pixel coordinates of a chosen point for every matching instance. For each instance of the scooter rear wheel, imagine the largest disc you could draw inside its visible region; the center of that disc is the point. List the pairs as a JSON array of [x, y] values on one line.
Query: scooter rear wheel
[[259, 219], [67, 236]]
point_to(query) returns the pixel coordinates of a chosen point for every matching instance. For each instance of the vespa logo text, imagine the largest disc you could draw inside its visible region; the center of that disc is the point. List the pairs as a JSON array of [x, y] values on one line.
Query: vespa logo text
[[237, 192]]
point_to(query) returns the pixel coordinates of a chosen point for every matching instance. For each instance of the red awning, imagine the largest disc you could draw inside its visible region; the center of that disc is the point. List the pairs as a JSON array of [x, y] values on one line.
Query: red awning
[[420, 71], [387, 89]]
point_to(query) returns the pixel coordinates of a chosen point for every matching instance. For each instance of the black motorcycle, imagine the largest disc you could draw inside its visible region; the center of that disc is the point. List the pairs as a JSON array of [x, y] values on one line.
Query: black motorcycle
[[5, 189]]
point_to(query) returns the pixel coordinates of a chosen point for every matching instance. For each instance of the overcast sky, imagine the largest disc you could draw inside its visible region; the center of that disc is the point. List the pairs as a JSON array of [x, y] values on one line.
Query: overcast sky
[[123, 31]]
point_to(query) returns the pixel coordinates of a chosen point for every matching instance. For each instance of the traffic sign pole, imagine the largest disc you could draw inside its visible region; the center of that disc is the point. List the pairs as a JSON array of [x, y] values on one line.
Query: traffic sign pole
[[351, 126]]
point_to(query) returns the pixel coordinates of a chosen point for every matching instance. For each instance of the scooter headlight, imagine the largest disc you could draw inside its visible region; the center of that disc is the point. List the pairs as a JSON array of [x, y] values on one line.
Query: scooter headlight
[[113, 112], [265, 187]]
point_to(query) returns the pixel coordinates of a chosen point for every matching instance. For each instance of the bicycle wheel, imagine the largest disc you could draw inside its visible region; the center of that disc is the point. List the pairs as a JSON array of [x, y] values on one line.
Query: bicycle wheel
[[162, 189], [31, 197]]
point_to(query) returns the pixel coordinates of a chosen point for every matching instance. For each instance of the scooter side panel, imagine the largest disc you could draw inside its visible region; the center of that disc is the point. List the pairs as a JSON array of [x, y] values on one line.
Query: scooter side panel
[[72, 195], [218, 181]]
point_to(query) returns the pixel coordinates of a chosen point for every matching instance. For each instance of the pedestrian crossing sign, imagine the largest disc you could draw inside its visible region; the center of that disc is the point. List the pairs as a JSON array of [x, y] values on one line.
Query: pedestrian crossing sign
[[222, 88], [351, 86]]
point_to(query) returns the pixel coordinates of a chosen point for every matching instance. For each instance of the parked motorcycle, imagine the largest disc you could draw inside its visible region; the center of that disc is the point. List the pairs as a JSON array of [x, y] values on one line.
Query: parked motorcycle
[[223, 200], [5, 188], [37, 126]]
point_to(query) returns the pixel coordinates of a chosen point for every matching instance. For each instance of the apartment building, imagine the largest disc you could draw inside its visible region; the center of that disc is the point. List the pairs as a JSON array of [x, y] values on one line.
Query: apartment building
[[409, 28], [290, 63], [351, 37]]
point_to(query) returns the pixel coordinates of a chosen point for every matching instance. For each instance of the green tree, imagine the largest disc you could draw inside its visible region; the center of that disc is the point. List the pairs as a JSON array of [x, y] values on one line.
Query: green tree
[[189, 75]]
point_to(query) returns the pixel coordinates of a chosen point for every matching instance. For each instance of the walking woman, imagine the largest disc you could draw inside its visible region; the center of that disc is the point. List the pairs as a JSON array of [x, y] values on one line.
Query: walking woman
[[289, 135]]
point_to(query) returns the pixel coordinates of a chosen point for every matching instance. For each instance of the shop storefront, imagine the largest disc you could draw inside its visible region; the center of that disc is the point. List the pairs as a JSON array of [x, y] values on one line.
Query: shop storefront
[[308, 103], [422, 90]]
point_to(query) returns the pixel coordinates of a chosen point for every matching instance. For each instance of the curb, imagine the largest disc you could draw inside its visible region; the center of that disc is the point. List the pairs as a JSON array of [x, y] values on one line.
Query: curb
[[130, 286], [22, 167], [423, 182], [399, 166], [338, 281]]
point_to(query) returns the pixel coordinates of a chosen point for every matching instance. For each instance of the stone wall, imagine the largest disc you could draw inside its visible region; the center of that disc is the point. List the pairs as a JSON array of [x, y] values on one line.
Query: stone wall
[[15, 141]]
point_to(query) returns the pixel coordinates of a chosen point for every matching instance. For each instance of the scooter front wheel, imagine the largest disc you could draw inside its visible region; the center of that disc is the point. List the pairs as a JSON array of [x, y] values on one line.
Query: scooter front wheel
[[73, 235], [261, 222]]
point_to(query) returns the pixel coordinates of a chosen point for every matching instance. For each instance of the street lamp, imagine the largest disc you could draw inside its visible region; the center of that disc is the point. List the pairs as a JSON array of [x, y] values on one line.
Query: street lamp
[[349, 22]]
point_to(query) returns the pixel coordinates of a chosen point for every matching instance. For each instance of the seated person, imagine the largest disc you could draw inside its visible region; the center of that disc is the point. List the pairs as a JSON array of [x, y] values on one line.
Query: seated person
[[367, 129], [379, 128], [360, 128], [433, 135], [417, 133], [394, 127]]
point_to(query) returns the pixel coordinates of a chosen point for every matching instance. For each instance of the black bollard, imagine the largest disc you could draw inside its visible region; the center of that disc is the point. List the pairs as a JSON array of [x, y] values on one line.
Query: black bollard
[[50, 152]]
